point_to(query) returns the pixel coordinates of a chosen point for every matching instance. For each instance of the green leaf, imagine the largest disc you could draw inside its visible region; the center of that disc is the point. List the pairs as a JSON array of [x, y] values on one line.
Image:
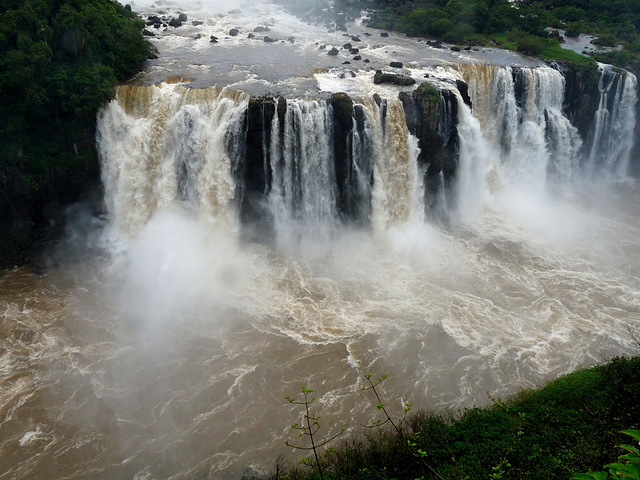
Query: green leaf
[[632, 433], [629, 448], [630, 457], [590, 476]]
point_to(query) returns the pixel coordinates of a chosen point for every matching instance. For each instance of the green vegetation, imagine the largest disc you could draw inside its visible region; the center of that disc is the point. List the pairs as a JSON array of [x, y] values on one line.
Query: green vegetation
[[60, 60], [482, 22], [628, 465], [571, 425]]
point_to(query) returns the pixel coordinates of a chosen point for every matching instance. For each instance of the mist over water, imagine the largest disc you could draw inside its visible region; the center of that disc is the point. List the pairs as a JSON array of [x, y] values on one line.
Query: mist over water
[[168, 353]]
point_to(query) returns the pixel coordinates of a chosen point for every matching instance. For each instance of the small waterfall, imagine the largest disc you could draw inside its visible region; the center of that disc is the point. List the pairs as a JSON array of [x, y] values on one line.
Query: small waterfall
[[360, 173], [470, 193], [615, 121], [165, 147], [303, 189], [398, 190], [522, 118], [492, 92]]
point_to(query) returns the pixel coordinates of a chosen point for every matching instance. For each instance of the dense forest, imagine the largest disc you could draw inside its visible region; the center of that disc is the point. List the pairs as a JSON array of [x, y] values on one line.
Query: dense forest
[[60, 60], [520, 24]]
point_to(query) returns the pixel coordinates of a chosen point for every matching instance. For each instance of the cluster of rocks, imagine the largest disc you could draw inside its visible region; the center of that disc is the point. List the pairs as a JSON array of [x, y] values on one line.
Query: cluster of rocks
[[158, 21]]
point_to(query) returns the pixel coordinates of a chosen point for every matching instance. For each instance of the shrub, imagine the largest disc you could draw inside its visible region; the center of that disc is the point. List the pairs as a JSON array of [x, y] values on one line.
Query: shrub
[[531, 45]]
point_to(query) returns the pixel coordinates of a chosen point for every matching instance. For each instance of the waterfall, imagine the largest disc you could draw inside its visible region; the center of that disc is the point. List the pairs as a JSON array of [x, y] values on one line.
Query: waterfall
[[397, 191], [289, 168], [303, 191], [521, 117], [360, 174], [471, 189], [166, 147], [615, 121]]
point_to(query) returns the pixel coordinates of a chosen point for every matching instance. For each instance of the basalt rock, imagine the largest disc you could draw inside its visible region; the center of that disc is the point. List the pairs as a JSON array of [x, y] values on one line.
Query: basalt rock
[[432, 116], [343, 123], [402, 80]]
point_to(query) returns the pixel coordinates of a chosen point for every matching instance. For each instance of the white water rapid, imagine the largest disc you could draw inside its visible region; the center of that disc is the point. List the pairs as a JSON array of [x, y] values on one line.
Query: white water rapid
[[243, 255]]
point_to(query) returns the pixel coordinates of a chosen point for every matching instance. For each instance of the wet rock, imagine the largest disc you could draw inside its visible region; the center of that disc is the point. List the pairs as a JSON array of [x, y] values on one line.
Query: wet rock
[[153, 19], [234, 32], [174, 22], [402, 80], [261, 29], [556, 34], [354, 51], [182, 17], [251, 35], [197, 23], [396, 64], [343, 124], [355, 39], [437, 44], [291, 40], [366, 60], [377, 99], [346, 62], [148, 33], [455, 49], [357, 57], [214, 39], [322, 47], [333, 52], [347, 46], [268, 39], [384, 34]]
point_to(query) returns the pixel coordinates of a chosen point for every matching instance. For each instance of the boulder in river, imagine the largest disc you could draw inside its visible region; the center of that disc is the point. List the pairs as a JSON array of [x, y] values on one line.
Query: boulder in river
[[402, 80]]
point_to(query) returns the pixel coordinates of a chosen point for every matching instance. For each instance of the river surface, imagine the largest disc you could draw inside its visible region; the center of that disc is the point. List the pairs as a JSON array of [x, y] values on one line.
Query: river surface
[[166, 351]]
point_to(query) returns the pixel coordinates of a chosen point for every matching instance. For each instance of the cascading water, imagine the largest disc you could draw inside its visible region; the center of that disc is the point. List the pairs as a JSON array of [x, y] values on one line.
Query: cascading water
[[303, 195], [615, 120], [165, 146], [522, 119]]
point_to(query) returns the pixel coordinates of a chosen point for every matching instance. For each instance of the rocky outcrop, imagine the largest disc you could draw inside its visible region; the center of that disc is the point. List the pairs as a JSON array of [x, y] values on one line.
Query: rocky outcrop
[[343, 124], [581, 97], [393, 78], [432, 117]]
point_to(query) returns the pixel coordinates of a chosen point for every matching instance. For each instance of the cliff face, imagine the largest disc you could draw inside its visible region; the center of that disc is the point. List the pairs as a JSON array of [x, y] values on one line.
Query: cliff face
[[33, 218]]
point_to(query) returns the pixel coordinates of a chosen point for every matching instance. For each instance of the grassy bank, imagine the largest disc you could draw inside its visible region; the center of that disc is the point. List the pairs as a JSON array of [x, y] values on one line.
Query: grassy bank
[[570, 425]]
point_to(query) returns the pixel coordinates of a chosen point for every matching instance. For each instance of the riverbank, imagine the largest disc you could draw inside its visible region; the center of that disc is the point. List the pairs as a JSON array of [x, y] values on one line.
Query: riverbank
[[570, 425]]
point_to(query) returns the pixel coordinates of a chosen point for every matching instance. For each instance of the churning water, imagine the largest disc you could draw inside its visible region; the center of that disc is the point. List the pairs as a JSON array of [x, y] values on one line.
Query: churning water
[[168, 353]]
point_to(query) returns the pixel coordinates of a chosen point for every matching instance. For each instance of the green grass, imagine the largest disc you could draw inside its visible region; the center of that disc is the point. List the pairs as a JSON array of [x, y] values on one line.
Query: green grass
[[570, 425]]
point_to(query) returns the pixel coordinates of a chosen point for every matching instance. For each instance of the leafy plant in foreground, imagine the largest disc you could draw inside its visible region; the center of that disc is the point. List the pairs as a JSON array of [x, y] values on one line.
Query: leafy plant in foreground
[[310, 427], [628, 465], [411, 441]]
